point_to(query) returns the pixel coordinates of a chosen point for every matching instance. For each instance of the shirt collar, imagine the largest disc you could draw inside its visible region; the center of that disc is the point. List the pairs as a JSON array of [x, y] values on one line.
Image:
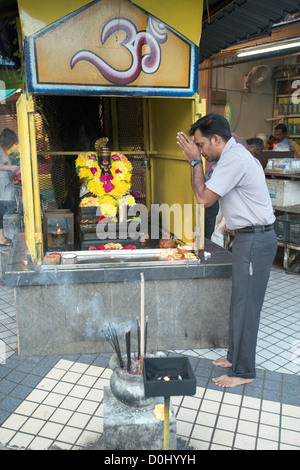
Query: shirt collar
[[228, 145]]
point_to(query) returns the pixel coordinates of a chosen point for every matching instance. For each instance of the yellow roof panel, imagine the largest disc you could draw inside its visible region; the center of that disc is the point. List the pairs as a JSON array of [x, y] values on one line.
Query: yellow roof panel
[[185, 16]]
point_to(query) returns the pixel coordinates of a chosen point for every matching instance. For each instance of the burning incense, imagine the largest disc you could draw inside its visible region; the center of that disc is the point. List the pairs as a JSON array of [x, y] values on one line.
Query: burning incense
[[138, 337], [146, 327], [128, 352], [114, 342]]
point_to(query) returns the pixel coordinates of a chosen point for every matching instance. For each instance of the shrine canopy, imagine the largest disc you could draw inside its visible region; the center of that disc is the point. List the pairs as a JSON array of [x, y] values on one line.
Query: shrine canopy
[[111, 47]]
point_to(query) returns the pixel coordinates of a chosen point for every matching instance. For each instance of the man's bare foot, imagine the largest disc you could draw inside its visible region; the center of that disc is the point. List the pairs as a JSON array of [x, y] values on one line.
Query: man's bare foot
[[231, 382], [223, 362]]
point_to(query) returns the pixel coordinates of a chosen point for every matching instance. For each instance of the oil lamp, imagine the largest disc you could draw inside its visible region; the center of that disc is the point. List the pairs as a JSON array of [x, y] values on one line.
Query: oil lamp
[[58, 230]]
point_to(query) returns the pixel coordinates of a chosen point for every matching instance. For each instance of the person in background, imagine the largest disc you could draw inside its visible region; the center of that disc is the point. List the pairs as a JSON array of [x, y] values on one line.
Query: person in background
[[7, 191], [239, 140], [270, 144], [255, 146], [282, 143], [238, 183]]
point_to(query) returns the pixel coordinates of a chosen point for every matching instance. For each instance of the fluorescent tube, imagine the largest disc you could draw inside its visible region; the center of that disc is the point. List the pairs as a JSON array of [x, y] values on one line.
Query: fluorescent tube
[[265, 50]]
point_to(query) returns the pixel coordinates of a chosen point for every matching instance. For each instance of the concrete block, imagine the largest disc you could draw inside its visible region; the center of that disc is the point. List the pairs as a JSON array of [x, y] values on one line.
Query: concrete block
[[128, 428]]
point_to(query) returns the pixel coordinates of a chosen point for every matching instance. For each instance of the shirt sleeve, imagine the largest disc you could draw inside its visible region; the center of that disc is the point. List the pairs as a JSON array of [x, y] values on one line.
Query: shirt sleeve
[[227, 174]]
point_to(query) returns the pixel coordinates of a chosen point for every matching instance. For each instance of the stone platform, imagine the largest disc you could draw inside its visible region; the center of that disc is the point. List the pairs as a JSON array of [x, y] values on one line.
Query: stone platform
[[67, 311]]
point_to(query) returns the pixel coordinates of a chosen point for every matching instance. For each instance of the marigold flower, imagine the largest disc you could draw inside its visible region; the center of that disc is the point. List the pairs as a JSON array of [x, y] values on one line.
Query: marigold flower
[[107, 188]]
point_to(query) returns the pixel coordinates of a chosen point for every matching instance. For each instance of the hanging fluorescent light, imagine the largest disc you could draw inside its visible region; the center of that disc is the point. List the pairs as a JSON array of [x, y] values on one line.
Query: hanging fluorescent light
[[270, 48]]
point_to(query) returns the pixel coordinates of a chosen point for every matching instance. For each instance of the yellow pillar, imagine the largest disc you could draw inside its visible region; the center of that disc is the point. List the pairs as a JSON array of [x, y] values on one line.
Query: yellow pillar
[[29, 172]]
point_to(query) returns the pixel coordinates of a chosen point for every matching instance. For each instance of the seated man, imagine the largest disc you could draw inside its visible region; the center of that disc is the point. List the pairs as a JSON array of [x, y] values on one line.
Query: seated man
[[282, 143], [255, 146]]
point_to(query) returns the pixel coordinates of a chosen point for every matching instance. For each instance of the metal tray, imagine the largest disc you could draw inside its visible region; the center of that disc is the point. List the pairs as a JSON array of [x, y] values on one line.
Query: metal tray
[[182, 382], [119, 258]]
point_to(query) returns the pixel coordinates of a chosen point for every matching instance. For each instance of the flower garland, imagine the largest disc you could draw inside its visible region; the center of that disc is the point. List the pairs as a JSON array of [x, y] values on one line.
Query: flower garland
[[14, 154], [112, 246], [107, 185]]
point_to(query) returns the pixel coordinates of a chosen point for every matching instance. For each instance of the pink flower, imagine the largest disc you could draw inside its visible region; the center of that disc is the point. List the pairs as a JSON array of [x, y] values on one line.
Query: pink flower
[[108, 187], [106, 178], [115, 157], [92, 157], [107, 184], [118, 171], [94, 170]]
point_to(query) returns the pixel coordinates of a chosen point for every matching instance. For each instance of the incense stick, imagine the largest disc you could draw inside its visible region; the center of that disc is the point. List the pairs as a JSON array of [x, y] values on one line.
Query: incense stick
[[127, 338], [114, 342], [142, 317], [146, 327], [138, 337]]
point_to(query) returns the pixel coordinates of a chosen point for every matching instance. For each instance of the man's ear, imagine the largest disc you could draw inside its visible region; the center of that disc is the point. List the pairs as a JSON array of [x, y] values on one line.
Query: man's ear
[[217, 140]]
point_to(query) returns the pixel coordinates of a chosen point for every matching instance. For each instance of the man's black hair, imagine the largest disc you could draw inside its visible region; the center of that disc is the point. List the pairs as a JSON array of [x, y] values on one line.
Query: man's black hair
[[212, 124], [8, 137], [281, 127]]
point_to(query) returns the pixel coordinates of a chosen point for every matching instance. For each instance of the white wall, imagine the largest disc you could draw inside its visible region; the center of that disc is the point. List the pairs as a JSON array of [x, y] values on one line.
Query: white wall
[[249, 109]]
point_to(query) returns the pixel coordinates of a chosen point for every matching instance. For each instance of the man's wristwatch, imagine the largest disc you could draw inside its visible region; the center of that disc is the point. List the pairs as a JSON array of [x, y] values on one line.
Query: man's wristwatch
[[195, 162]]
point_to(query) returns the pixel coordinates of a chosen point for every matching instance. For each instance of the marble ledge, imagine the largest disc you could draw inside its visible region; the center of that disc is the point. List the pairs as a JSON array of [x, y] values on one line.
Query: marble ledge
[[20, 271]]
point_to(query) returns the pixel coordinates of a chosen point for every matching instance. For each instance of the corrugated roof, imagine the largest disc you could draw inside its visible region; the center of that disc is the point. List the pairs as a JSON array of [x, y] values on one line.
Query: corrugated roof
[[227, 23]]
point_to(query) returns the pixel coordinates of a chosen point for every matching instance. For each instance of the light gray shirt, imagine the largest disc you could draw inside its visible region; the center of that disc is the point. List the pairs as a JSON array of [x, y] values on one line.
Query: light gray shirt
[[7, 190], [283, 146], [239, 179]]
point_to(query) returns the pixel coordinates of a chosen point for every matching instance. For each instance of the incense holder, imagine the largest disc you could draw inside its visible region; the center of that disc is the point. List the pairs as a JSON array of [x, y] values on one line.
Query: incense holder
[[127, 387]]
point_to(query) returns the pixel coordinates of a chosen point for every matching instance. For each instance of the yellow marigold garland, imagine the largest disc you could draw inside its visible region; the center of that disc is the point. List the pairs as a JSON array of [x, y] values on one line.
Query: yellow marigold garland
[[107, 188]]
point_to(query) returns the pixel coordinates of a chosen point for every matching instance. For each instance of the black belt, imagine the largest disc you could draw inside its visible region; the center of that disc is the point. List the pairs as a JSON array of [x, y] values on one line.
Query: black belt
[[255, 228]]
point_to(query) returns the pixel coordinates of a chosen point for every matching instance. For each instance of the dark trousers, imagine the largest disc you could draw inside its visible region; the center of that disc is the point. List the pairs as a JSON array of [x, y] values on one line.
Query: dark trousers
[[253, 255], [210, 219]]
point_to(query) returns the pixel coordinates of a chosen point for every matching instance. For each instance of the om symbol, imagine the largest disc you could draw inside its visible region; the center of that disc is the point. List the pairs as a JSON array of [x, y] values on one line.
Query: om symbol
[[134, 41]]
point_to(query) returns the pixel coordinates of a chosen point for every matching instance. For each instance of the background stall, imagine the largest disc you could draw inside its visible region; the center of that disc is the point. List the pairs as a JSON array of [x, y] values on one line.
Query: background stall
[[255, 84]]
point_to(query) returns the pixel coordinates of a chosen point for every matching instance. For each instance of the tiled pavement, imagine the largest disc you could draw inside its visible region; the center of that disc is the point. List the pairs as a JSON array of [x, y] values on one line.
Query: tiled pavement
[[56, 402]]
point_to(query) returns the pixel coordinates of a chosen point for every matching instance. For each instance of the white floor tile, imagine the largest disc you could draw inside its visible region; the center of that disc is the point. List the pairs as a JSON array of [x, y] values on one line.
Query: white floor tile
[[65, 409]]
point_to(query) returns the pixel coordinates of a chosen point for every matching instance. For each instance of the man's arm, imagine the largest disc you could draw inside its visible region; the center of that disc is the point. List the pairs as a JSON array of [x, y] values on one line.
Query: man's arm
[[191, 152]]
